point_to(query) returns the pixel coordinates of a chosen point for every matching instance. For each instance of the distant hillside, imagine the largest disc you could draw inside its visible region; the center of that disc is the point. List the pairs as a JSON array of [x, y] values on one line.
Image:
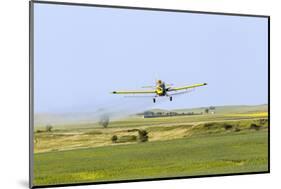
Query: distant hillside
[[220, 109], [75, 118]]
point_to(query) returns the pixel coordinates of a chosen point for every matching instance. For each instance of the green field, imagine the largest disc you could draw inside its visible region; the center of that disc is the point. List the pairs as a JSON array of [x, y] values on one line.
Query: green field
[[177, 146]]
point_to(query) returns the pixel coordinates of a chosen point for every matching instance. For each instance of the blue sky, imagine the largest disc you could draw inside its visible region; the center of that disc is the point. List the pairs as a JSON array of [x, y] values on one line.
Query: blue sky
[[83, 53]]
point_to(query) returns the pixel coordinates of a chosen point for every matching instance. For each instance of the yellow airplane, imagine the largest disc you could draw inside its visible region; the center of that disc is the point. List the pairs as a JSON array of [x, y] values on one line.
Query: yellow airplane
[[161, 89]]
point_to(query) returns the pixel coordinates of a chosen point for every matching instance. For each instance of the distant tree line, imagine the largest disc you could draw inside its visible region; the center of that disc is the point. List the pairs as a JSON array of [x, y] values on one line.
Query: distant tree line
[[149, 114]]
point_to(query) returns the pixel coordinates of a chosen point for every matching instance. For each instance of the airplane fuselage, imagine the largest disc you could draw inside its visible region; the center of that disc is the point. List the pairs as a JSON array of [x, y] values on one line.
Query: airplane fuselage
[[161, 88]]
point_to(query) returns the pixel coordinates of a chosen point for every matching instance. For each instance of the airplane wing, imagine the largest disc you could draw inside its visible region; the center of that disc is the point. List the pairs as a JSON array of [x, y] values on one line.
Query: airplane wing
[[186, 87], [135, 92], [140, 96], [180, 92]]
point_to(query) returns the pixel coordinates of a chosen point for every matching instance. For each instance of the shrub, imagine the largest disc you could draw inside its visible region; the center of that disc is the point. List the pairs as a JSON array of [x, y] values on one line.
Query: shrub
[[227, 126], [255, 126], [114, 138], [237, 130], [263, 121], [104, 121], [209, 125], [49, 128], [143, 136]]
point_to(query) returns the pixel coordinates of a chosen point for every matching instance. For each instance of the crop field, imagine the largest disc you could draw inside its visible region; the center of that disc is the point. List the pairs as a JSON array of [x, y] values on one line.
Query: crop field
[[176, 146]]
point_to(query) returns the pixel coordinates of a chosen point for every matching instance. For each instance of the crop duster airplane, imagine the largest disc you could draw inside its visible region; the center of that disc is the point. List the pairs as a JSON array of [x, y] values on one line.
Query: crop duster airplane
[[161, 89]]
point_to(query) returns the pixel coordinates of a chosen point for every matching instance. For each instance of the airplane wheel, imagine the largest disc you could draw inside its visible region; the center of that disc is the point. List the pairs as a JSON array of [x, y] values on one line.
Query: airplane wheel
[[154, 100], [171, 98]]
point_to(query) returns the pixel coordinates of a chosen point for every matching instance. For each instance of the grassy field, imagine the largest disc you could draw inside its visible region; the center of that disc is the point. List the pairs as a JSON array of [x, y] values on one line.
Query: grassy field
[[229, 153], [177, 146]]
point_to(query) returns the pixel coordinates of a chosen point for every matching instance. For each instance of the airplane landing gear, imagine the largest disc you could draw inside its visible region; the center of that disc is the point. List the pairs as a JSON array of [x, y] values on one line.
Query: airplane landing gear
[[154, 100], [171, 98]]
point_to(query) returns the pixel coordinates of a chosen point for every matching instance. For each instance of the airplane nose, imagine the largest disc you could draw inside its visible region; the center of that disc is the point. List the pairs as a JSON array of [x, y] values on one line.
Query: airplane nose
[[204, 83]]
